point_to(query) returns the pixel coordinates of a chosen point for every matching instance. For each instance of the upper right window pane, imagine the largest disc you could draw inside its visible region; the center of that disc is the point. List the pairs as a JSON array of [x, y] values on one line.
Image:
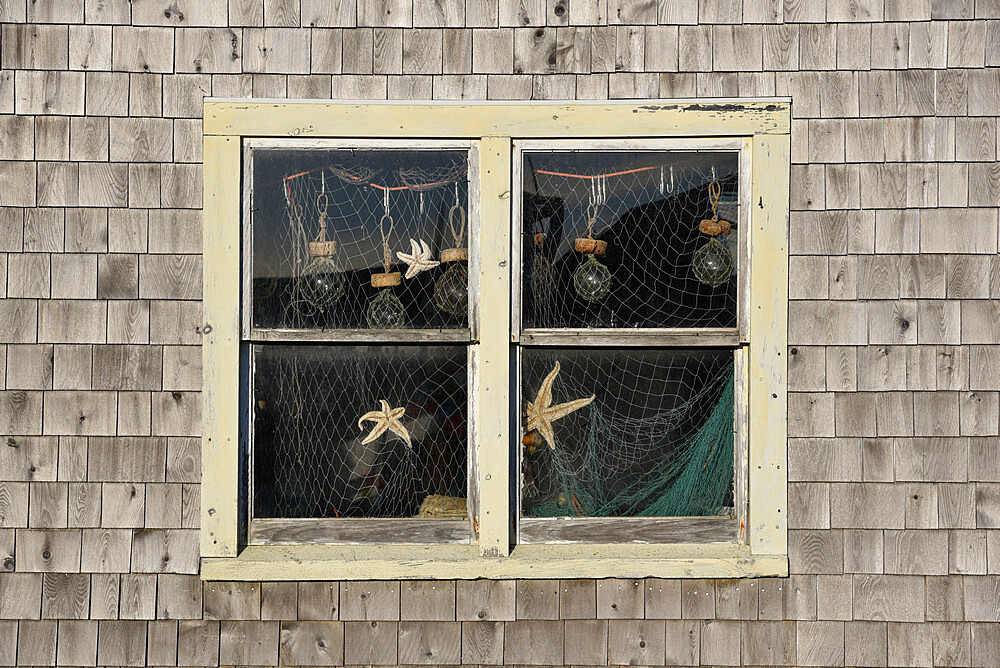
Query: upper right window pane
[[630, 239]]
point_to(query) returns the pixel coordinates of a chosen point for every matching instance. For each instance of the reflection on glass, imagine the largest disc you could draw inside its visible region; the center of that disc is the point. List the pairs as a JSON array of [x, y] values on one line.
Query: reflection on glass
[[346, 239], [627, 432], [349, 431], [611, 239]]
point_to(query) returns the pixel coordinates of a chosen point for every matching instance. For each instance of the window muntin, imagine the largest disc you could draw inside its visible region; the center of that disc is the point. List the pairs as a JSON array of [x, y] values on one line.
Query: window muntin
[[357, 325], [610, 238]]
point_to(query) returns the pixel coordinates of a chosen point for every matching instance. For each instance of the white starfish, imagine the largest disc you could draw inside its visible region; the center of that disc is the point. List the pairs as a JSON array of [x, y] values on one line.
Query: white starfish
[[541, 412], [386, 419], [419, 258]]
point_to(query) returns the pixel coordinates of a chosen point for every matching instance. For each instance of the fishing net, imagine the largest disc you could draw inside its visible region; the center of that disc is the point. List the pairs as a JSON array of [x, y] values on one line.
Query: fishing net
[[359, 239], [628, 240], [310, 458], [326, 222], [615, 239], [656, 441]]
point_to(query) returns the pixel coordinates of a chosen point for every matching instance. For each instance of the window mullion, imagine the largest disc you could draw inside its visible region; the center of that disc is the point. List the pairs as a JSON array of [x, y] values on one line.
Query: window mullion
[[492, 386]]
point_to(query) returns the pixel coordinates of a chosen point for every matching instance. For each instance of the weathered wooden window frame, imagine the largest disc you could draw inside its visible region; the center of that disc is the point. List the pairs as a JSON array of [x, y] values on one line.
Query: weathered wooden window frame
[[761, 549]]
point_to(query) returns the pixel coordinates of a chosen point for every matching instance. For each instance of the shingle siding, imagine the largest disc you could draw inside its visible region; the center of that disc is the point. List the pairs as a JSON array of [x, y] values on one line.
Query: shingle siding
[[894, 328]]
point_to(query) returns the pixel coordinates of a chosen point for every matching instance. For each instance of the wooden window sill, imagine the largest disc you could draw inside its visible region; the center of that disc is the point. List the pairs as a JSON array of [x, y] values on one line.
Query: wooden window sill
[[462, 562]]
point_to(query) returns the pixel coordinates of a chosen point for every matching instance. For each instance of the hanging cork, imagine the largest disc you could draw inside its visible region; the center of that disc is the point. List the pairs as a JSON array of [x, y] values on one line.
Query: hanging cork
[[589, 245], [386, 280]]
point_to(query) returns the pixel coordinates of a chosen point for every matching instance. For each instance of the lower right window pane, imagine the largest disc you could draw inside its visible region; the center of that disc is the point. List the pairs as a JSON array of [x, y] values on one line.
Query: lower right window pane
[[627, 432]]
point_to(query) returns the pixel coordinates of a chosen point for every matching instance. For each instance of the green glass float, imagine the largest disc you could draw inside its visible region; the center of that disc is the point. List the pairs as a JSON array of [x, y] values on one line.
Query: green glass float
[[322, 283], [592, 280], [385, 311]]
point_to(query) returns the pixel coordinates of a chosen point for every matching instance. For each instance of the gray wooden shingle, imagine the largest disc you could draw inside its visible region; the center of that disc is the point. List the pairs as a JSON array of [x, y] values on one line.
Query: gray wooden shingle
[[430, 642], [485, 600], [370, 643], [534, 641]]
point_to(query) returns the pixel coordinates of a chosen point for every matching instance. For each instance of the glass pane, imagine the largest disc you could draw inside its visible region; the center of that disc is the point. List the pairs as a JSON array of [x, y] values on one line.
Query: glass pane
[[346, 431], [617, 239], [350, 239], [656, 440]]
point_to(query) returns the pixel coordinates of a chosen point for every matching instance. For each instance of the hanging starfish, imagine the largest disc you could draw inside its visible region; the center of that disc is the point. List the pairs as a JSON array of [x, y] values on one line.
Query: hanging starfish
[[419, 258], [385, 419], [541, 412]]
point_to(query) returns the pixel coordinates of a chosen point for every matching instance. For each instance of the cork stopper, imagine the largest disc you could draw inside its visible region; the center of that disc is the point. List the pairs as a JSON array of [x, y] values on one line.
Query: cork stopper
[[588, 245], [322, 248], [713, 227], [386, 280], [454, 254]]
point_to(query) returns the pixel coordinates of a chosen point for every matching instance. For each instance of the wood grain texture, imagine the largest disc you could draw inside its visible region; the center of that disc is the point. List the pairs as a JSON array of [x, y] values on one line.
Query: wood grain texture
[[485, 600], [370, 601], [65, 596], [319, 600], [311, 643], [427, 600], [482, 642], [290, 532], [429, 643]]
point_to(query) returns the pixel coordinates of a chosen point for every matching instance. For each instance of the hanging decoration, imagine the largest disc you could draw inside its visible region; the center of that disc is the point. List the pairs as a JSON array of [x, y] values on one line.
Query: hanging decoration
[[418, 259], [713, 263], [385, 419], [541, 412], [322, 281], [451, 291], [592, 279], [385, 311]]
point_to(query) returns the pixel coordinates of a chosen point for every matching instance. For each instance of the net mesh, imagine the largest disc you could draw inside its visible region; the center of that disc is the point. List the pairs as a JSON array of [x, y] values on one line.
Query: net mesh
[[628, 240], [642, 211], [310, 459], [326, 221], [656, 441], [331, 229]]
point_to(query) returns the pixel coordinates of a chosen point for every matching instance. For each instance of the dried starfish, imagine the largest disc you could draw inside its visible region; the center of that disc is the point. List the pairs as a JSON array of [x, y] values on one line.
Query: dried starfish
[[386, 419], [541, 412], [419, 258]]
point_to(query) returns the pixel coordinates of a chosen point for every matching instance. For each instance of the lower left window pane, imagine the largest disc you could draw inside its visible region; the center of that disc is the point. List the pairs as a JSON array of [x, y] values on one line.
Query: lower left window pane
[[360, 431]]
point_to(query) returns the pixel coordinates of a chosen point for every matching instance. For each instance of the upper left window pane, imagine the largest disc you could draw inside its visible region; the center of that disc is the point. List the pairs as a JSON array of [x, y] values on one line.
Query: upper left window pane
[[359, 238]]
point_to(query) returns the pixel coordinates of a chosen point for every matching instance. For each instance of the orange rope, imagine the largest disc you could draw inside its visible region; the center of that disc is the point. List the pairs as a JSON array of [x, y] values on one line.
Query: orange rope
[[369, 183], [597, 176]]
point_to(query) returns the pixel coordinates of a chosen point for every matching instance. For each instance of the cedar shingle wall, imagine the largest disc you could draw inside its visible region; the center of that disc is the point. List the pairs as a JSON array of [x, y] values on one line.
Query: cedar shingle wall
[[894, 362]]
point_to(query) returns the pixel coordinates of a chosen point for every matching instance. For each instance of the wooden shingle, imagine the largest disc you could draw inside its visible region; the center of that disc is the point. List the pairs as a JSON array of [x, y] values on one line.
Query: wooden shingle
[[720, 643], [85, 506], [36, 642], [485, 600], [248, 643], [106, 551], [534, 641], [311, 643], [165, 551], [370, 643], [161, 642], [429, 642], [197, 643], [373, 601], [77, 643], [483, 643], [620, 599], [537, 599]]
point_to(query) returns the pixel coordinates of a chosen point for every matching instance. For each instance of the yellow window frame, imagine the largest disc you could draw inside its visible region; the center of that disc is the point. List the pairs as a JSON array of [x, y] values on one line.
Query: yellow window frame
[[763, 123]]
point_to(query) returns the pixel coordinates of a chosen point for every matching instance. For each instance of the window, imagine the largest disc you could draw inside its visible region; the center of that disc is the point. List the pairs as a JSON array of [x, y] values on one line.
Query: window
[[500, 340]]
